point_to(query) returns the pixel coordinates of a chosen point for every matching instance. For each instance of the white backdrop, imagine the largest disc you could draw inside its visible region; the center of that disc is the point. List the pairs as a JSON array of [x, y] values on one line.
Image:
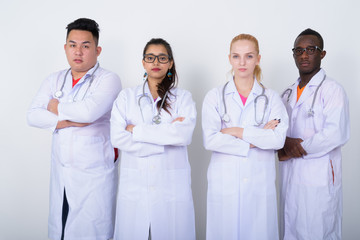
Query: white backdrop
[[32, 38]]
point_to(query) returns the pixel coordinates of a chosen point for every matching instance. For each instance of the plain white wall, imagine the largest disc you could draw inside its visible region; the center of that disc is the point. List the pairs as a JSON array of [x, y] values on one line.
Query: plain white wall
[[32, 38]]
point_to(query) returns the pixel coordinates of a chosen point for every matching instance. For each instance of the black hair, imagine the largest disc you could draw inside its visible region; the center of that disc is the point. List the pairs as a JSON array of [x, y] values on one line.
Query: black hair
[[168, 82], [309, 31], [85, 24]]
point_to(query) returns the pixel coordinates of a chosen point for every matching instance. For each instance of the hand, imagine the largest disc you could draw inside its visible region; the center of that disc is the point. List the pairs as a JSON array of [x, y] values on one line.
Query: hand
[[67, 123], [282, 155], [129, 128], [293, 148], [272, 124], [178, 119], [53, 106]]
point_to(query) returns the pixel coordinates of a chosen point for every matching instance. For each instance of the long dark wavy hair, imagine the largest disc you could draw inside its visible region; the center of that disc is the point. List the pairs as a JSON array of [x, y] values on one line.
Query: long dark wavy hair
[[167, 83]]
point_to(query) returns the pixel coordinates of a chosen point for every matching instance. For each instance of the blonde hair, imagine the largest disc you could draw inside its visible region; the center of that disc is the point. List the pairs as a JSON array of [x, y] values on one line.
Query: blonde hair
[[243, 36]]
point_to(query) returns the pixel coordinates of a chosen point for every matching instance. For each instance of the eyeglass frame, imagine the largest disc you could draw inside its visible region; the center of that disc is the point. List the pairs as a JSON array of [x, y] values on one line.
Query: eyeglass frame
[[306, 50], [157, 56]]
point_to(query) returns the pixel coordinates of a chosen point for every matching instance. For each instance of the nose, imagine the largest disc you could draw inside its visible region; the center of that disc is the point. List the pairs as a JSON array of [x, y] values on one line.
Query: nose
[[304, 52], [78, 50], [156, 61], [242, 61]]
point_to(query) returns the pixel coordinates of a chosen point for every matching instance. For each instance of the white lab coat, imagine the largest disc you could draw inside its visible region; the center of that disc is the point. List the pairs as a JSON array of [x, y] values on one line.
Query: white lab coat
[[82, 158], [155, 178], [310, 187], [241, 200]]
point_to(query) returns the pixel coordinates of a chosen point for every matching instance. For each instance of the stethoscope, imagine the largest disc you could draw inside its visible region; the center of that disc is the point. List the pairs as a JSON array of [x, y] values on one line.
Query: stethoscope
[[226, 117], [157, 118], [60, 93], [311, 112]]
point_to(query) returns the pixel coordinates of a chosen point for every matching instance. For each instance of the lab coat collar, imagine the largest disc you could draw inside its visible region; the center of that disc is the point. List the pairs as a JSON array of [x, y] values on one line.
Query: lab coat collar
[[310, 88], [139, 92], [89, 73]]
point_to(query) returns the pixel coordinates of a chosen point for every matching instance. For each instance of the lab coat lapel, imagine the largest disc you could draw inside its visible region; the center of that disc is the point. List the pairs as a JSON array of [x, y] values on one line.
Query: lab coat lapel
[[231, 90], [146, 102], [310, 88]]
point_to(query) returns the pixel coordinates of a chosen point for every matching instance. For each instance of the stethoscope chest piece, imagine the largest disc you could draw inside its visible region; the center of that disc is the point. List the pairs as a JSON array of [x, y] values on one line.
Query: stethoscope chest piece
[[226, 118], [58, 94], [156, 119]]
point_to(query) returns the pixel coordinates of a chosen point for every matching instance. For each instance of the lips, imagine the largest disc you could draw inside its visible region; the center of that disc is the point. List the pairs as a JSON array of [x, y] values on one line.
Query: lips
[[155, 69], [242, 69], [305, 63], [78, 60]]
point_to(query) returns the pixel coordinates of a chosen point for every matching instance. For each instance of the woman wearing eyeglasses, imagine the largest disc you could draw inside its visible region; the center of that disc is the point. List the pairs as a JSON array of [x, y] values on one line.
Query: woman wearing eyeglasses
[[243, 124], [152, 124]]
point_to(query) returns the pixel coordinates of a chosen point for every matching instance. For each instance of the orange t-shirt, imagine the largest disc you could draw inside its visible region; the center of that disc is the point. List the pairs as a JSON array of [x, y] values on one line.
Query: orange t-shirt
[[299, 92]]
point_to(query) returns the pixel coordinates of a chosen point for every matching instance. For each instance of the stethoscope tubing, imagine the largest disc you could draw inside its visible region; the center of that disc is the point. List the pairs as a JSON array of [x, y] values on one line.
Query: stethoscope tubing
[[226, 117], [60, 93]]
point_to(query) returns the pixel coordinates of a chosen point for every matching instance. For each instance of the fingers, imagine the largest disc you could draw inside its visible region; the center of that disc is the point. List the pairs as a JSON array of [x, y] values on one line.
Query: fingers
[[272, 124], [178, 119]]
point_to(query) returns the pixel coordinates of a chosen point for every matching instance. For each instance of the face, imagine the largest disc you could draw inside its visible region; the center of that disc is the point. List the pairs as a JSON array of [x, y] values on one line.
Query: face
[[81, 52], [308, 64], [156, 70], [243, 58]]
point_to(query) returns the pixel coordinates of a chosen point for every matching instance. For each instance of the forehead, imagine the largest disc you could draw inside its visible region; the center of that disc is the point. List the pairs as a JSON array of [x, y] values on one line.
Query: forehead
[[80, 36], [156, 49], [306, 40], [240, 46]]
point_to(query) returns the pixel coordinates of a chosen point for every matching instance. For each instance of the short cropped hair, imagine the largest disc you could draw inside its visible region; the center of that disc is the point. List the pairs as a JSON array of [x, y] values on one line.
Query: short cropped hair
[[85, 24], [309, 31]]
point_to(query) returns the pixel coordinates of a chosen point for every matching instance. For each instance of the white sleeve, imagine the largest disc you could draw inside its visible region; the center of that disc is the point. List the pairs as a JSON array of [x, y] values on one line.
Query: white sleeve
[[38, 115], [122, 139], [175, 134], [214, 140], [268, 138], [94, 105], [336, 125]]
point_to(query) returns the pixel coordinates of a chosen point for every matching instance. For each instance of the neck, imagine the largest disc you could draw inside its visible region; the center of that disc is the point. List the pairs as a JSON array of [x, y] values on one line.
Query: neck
[[306, 77], [244, 85], [153, 87]]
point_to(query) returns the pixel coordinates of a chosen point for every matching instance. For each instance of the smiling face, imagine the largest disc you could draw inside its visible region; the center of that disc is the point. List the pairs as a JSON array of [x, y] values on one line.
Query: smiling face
[[81, 52], [156, 71], [308, 65], [243, 58]]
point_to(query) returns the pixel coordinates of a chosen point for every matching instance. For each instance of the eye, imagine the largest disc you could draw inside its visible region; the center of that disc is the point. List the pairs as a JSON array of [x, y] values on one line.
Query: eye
[[163, 58], [298, 51], [250, 56], [310, 49], [150, 58], [235, 56], [86, 46], [72, 45]]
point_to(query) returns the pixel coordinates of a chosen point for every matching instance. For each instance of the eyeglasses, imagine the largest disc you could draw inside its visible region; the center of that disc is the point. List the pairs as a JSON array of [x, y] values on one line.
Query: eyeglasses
[[310, 50], [162, 58]]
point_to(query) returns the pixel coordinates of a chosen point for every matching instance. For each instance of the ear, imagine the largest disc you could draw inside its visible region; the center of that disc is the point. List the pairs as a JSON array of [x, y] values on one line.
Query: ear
[[258, 59], [229, 58], [143, 62], [98, 50], [171, 64], [65, 46], [322, 54]]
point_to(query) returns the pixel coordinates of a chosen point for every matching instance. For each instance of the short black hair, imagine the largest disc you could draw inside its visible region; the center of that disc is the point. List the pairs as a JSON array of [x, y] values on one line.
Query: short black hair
[[85, 24], [312, 32]]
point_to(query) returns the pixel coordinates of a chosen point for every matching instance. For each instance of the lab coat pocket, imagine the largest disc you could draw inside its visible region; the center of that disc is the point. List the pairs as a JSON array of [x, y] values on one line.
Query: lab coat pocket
[[223, 179], [88, 151], [177, 185], [129, 184]]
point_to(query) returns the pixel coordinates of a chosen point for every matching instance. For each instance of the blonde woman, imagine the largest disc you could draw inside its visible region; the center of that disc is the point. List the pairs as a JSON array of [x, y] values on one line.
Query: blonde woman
[[243, 124]]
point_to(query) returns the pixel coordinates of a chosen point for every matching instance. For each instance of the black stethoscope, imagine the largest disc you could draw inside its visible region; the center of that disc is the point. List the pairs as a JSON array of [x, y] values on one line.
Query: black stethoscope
[[226, 117], [157, 118], [311, 112], [60, 93]]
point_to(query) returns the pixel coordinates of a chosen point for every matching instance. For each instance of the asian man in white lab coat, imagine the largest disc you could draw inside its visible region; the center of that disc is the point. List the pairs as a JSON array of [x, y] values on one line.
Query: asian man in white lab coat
[[75, 105], [310, 162]]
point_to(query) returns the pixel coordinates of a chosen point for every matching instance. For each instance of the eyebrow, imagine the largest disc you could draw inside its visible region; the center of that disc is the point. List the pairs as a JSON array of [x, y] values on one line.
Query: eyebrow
[[85, 42]]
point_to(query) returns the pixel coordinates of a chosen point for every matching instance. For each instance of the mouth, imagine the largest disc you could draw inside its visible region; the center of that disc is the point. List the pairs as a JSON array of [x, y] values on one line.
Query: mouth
[[155, 69], [242, 69], [304, 64], [78, 60]]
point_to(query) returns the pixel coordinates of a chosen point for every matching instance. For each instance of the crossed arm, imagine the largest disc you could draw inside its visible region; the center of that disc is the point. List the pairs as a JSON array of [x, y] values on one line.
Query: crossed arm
[[53, 107]]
